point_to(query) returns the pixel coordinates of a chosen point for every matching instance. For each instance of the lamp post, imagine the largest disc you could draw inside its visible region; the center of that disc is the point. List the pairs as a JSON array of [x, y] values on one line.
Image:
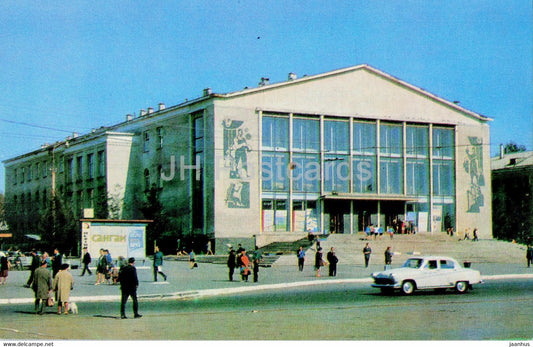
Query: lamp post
[[54, 169]]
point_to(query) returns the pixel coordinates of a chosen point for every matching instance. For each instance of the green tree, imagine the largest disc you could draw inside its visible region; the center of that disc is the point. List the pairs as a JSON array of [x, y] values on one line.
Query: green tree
[[512, 147], [152, 209], [58, 227]]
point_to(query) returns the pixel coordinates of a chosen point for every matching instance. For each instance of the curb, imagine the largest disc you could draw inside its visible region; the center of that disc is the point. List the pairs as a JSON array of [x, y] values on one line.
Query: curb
[[192, 294]]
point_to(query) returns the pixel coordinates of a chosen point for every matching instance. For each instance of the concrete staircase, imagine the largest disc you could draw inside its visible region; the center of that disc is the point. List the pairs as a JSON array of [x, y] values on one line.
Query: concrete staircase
[[348, 249]]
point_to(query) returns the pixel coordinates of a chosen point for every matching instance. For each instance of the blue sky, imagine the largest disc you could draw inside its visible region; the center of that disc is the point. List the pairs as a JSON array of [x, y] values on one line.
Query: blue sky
[[72, 66]]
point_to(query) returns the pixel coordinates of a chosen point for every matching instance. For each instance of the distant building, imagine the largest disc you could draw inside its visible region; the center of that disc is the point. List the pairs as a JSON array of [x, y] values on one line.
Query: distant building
[[512, 195], [330, 153]]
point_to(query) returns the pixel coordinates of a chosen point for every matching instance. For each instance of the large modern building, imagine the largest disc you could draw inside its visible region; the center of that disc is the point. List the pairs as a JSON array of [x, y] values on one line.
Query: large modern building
[[329, 153]]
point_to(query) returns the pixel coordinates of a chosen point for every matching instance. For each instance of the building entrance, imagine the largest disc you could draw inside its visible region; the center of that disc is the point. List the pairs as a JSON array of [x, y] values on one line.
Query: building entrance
[[337, 216]]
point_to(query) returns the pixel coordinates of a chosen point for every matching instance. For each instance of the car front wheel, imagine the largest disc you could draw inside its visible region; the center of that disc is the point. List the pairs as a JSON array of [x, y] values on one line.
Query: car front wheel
[[408, 287], [461, 287]]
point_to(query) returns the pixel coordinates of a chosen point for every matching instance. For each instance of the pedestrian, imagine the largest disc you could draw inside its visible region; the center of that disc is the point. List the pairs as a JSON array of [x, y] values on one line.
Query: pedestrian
[[529, 255], [231, 263], [474, 235], [86, 261], [244, 266], [192, 259], [390, 231], [388, 258], [42, 285], [57, 260], [47, 259], [158, 264], [63, 284], [128, 287], [367, 251], [101, 267], [332, 260], [257, 257], [318, 261], [35, 263], [4, 267], [110, 267], [301, 258], [209, 249]]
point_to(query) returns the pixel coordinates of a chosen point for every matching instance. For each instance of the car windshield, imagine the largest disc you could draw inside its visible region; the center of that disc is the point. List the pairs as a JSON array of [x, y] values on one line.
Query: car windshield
[[413, 263]]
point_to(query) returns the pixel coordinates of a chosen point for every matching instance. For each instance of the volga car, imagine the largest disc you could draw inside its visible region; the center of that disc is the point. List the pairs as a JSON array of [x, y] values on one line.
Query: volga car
[[427, 272]]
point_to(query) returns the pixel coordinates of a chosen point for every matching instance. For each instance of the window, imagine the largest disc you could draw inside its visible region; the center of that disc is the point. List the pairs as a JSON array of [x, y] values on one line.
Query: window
[[443, 143], [79, 168], [306, 173], [146, 141], [90, 165], [29, 173], [390, 139], [443, 177], [22, 173], [274, 171], [336, 136], [417, 176], [275, 215], [159, 137], [90, 198], [101, 163], [432, 264], [275, 133], [146, 179], [336, 173], [391, 176], [305, 134], [364, 138], [37, 171], [15, 177], [45, 169], [364, 159], [444, 264]]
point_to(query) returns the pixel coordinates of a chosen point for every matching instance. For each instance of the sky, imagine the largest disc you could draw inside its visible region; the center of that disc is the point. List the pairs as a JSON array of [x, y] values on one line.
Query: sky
[[72, 66]]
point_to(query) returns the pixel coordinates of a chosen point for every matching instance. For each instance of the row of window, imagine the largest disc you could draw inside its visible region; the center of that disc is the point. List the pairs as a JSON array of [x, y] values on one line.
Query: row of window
[[76, 168], [158, 139], [84, 199], [349, 163]]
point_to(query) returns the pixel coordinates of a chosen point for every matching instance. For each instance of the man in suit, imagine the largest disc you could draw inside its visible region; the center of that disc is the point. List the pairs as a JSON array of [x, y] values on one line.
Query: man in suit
[[35, 263], [42, 285], [128, 287]]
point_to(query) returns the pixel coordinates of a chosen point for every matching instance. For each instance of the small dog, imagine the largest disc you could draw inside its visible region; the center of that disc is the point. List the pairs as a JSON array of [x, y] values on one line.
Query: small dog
[[72, 307]]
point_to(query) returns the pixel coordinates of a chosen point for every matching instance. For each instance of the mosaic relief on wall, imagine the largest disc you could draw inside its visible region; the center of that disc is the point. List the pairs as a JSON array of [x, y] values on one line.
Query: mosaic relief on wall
[[236, 148], [473, 166]]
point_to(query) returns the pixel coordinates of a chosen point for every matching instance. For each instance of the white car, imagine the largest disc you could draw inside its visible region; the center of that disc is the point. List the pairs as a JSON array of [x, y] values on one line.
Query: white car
[[427, 272]]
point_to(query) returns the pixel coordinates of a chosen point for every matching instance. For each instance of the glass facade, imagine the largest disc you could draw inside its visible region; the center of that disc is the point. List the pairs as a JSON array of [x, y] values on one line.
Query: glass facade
[[308, 161]]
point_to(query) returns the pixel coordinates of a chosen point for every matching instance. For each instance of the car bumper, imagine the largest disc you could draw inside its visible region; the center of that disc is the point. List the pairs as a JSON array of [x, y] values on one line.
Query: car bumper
[[386, 286]]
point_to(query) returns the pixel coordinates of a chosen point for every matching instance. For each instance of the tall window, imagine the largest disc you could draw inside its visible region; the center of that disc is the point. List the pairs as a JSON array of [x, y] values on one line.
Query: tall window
[[305, 171], [198, 185], [101, 163], [443, 161], [336, 147], [275, 153], [90, 165], [159, 137], [79, 168], [15, 177], [417, 160], [146, 175], [390, 167], [364, 157], [146, 141]]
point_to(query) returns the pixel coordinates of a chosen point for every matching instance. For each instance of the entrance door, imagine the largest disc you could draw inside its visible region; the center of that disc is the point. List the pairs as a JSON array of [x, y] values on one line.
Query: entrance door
[[394, 212], [338, 216]]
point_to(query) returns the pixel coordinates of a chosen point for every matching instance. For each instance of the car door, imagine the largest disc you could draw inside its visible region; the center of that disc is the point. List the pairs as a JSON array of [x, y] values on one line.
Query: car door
[[428, 274]]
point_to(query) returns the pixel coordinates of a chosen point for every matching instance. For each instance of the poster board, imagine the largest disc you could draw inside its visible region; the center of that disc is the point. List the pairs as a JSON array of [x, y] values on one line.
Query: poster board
[[120, 237]]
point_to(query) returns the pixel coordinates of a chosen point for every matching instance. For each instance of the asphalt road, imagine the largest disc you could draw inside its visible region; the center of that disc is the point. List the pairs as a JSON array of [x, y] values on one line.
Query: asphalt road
[[496, 310]]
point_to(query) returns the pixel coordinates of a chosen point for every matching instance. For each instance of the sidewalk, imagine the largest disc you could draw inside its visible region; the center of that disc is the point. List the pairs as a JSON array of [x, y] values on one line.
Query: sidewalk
[[212, 279]]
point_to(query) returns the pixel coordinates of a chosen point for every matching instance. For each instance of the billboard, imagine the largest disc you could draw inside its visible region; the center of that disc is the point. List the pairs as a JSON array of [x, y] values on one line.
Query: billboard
[[121, 238]]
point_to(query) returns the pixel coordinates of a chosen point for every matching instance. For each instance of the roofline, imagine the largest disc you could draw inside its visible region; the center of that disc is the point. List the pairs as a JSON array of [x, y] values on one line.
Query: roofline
[[354, 68]]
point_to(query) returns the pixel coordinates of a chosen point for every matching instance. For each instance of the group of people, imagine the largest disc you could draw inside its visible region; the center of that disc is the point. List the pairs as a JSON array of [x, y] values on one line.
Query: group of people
[[373, 233], [240, 259]]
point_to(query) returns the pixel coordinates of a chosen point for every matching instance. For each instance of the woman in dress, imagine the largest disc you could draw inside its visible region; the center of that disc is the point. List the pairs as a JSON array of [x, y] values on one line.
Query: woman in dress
[[318, 261]]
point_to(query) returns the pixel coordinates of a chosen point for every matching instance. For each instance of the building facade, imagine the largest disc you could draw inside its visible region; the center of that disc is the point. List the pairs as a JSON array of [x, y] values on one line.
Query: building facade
[[330, 153]]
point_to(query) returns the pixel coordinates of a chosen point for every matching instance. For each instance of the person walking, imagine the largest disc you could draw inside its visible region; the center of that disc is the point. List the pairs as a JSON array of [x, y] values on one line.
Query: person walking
[[318, 261], [301, 258], [245, 266], [35, 263], [86, 261], [388, 258], [529, 255], [332, 260], [63, 284], [4, 268], [474, 235], [192, 259], [57, 260], [367, 251], [231, 263], [42, 285], [158, 264], [128, 287], [256, 259], [101, 267]]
